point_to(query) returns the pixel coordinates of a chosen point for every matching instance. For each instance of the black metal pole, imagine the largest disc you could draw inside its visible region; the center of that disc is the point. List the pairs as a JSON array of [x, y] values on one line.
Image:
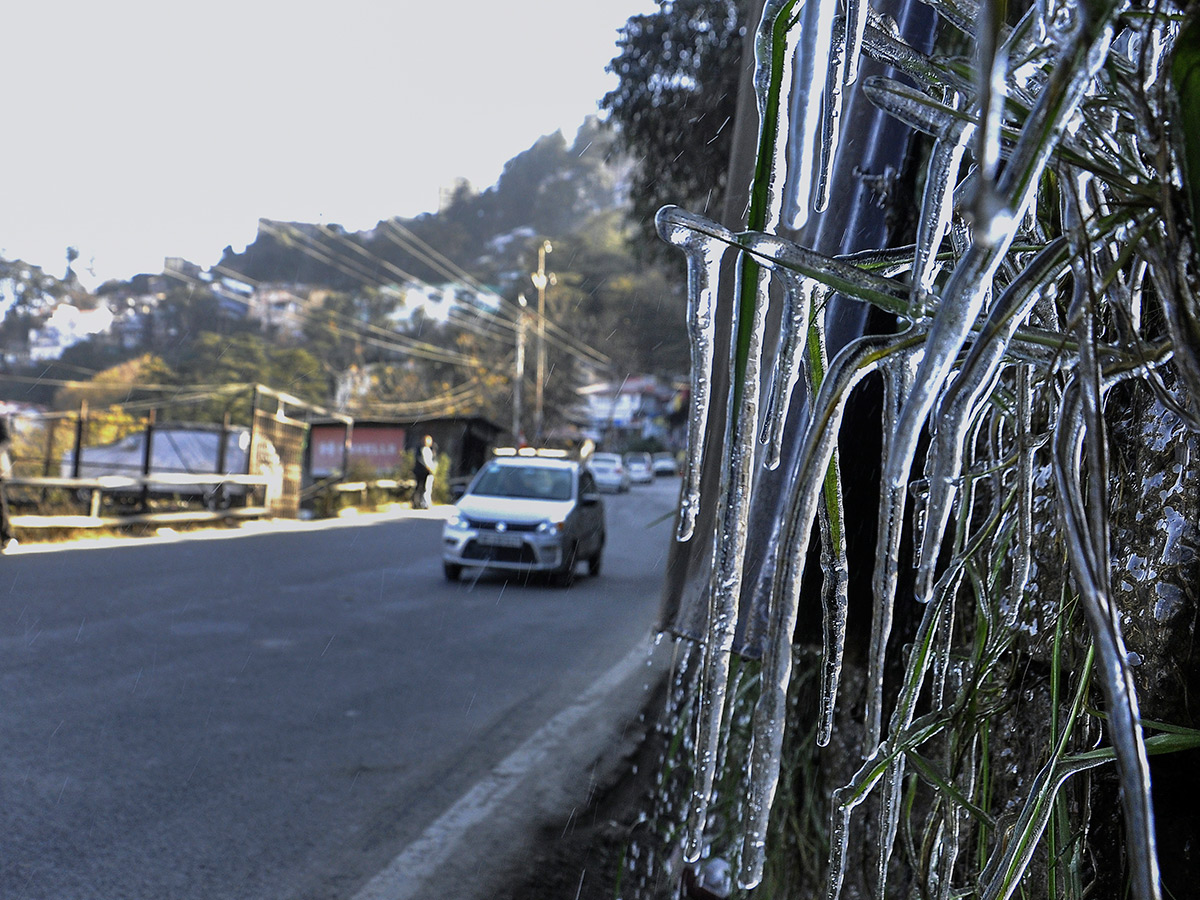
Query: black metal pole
[[147, 458]]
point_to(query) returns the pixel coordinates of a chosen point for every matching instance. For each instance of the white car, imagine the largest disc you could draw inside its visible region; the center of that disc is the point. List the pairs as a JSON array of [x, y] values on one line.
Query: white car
[[664, 464], [640, 467], [527, 514], [610, 472]]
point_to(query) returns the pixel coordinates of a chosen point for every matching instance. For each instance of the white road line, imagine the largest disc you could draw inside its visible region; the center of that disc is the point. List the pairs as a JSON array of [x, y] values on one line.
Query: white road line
[[404, 876]]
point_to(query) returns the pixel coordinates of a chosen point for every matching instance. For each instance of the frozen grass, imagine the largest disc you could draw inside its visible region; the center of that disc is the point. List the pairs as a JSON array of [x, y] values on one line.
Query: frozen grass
[[1052, 273]]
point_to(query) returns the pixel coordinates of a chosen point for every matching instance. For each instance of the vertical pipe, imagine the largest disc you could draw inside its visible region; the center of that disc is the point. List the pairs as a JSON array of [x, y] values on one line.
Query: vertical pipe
[[80, 423], [47, 457], [147, 458], [221, 448]]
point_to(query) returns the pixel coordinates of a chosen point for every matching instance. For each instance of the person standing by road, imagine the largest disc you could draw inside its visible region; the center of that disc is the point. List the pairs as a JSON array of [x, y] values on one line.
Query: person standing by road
[[423, 468]]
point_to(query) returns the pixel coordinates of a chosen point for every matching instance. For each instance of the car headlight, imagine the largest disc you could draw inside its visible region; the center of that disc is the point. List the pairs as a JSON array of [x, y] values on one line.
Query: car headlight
[[550, 528], [458, 521]]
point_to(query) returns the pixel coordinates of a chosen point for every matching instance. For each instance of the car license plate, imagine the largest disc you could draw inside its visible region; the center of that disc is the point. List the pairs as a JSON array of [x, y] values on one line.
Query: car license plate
[[500, 539]]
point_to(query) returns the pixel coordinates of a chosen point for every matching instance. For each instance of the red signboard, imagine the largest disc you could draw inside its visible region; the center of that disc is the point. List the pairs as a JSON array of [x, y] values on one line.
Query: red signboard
[[374, 447]]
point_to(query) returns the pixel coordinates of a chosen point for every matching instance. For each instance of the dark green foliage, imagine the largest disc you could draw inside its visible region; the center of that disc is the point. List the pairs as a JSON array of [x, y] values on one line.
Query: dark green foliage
[[674, 108]]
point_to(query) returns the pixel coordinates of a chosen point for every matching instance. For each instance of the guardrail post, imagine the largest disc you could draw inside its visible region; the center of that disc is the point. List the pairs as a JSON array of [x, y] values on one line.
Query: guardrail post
[[221, 445], [48, 457], [147, 458], [80, 424]]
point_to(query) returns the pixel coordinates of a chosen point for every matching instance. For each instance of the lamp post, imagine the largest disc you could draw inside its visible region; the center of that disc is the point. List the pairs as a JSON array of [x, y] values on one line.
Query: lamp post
[[540, 280], [519, 383]]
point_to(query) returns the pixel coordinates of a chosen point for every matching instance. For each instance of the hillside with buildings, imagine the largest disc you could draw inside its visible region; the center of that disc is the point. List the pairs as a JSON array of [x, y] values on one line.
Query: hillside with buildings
[[450, 313]]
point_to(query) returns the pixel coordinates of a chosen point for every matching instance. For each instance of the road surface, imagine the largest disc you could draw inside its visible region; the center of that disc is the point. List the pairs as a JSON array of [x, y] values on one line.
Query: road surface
[[283, 714]]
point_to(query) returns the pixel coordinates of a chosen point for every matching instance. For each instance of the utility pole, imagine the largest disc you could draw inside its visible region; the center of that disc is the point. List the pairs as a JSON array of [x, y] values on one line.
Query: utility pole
[[519, 381], [540, 280]]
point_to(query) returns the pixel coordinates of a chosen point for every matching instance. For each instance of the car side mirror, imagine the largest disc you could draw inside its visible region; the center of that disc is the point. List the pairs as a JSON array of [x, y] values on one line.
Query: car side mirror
[[589, 499]]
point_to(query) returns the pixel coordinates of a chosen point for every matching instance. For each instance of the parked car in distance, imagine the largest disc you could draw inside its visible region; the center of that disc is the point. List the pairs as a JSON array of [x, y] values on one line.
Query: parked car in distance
[[610, 472], [527, 514], [640, 467], [664, 464]]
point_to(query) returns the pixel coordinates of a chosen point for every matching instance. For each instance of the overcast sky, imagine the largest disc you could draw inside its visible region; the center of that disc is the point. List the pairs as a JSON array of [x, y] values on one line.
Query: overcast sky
[[139, 129]]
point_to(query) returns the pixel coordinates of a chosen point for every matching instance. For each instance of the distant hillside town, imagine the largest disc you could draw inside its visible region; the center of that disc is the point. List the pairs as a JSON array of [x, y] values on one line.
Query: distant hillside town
[[525, 303]]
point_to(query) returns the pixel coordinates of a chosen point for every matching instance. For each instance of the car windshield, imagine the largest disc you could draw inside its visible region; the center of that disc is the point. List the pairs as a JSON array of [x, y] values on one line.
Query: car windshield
[[532, 482]]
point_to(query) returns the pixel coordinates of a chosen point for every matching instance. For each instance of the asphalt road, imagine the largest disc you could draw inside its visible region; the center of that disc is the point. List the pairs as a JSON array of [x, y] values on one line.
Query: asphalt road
[[279, 714]]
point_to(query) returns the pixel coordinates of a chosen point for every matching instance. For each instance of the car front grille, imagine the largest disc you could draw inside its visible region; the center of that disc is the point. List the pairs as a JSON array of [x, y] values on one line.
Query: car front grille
[[483, 525], [523, 554]]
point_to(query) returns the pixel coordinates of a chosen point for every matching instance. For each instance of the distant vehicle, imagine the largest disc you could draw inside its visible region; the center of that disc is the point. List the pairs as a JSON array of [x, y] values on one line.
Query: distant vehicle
[[527, 514], [175, 449], [664, 464], [640, 467], [610, 472]]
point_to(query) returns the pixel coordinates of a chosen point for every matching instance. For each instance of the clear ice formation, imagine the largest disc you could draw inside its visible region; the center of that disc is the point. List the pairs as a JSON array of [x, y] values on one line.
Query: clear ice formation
[[705, 244], [982, 341]]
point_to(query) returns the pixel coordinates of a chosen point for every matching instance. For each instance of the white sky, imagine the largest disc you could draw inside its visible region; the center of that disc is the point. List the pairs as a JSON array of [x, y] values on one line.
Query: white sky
[[139, 129]]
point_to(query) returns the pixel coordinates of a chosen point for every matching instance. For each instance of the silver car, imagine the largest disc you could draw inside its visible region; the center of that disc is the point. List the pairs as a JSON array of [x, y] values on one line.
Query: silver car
[[527, 514], [640, 468], [609, 472]]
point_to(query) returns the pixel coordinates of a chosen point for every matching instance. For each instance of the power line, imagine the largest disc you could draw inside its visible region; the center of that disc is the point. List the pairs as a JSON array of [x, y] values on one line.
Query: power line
[[411, 243]]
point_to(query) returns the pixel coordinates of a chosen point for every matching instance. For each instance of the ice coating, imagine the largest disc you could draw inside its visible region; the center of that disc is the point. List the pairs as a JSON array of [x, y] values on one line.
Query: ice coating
[[729, 554], [800, 297], [834, 590], [856, 24], [772, 64], [797, 41], [978, 369], [850, 367], [1091, 574], [962, 300], [897, 379], [704, 242], [938, 206], [831, 121], [957, 409]]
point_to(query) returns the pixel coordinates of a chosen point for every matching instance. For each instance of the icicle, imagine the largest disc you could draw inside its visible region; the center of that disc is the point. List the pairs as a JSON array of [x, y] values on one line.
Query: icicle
[[801, 296], [853, 364], [705, 244], [725, 591], [937, 207], [856, 23], [958, 407], [773, 59], [831, 120], [897, 378], [794, 34], [834, 598], [889, 822]]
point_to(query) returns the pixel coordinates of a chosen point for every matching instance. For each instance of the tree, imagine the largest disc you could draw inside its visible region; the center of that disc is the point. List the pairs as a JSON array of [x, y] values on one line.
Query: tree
[[134, 379], [675, 104]]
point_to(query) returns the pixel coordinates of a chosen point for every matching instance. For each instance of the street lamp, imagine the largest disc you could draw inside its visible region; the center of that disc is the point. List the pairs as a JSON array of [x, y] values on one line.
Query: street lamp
[[519, 383], [540, 280]]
